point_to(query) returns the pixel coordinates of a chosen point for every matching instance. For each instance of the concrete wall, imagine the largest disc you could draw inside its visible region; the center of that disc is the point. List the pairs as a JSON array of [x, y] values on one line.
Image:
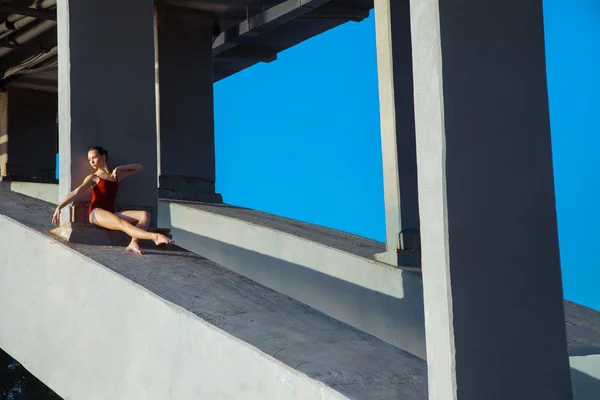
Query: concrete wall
[[88, 333], [383, 301], [31, 130]]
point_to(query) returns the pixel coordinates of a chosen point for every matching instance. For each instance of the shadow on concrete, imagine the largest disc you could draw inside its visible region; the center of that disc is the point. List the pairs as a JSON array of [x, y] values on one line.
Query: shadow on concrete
[[398, 321], [345, 358], [582, 351], [585, 387]]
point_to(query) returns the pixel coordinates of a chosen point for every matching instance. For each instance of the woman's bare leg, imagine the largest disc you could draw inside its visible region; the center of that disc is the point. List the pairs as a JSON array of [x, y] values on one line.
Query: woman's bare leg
[[141, 219], [110, 221]]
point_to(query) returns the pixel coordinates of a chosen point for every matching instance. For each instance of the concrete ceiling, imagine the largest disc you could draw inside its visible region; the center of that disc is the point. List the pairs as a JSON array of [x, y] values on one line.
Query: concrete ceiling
[[248, 32], [273, 28], [223, 8]]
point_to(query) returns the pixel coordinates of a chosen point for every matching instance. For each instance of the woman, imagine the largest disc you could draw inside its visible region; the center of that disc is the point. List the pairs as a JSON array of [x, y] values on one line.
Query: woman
[[105, 185]]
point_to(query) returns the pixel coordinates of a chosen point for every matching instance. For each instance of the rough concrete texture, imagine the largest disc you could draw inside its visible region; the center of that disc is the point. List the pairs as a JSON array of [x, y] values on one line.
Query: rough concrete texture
[[173, 324], [382, 300]]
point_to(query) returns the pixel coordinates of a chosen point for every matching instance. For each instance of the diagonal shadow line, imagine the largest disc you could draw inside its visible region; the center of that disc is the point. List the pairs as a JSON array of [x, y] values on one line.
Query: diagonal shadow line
[[585, 387]]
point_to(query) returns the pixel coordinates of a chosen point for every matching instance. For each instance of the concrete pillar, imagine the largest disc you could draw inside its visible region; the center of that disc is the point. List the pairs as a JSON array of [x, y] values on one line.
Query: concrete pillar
[[392, 21], [28, 121], [3, 133], [495, 326], [186, 119], [106, 93]]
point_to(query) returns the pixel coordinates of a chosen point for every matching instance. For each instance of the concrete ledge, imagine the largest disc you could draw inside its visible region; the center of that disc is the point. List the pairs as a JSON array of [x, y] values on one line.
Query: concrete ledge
[[43, 191], [585, 375], [384, 301]]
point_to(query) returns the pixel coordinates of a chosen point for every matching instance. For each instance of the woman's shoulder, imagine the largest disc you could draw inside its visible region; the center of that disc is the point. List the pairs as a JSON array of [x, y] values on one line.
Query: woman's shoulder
[[92, 178]]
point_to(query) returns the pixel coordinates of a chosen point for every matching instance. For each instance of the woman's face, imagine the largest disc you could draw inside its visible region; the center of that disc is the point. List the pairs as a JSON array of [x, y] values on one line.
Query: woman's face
[[95, 159]]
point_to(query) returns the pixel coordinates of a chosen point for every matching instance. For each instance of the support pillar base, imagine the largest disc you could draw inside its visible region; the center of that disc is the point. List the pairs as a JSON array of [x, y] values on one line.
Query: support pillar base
[[409, 253], [188, 188], [401, 258]]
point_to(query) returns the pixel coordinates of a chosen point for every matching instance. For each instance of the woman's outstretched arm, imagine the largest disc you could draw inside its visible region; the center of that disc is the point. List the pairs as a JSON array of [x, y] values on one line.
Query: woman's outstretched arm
[[87, 183], [123, 171]]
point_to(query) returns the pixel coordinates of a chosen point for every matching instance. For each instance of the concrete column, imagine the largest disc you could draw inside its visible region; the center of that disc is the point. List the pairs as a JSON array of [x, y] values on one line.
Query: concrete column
[[28, 119], [106, 93], [495, 324], [186, 119], [3, 133], [392, 21]]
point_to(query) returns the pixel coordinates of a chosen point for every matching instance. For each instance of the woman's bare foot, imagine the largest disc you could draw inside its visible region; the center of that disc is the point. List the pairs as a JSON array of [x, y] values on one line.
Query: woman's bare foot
[[162, 239], [134, 247]]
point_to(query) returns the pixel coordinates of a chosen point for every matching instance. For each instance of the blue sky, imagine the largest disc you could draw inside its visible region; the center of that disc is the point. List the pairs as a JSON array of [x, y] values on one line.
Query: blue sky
[[299, 137]]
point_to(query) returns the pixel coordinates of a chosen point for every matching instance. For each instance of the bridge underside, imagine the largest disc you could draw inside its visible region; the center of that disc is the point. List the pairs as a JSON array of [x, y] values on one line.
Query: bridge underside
[[245, 32], [462, 88]]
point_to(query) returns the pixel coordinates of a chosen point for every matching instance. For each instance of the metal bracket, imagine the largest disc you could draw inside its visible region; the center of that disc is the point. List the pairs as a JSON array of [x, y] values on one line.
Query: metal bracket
[[410, 239], [409, 253]]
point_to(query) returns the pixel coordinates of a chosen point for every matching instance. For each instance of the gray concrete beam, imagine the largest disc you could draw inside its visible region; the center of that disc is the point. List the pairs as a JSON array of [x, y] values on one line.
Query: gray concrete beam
[[47, 192], [186, 106], [267, 20], [396, 104], [491, 269], [106, 93], [3, 133], [338, 11], [258, 53], [29, 11]]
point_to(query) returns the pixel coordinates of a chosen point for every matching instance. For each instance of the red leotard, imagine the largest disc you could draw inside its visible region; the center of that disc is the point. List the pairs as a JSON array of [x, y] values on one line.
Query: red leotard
[[104, 195]]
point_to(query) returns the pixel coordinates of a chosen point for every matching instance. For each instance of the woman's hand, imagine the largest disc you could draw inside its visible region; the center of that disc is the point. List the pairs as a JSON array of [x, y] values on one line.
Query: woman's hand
[[56, 216], [123, 171], [116, 174]]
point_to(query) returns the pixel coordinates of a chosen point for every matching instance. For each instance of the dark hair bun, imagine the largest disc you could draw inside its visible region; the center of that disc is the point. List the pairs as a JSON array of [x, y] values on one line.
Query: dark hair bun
[[101, 150]]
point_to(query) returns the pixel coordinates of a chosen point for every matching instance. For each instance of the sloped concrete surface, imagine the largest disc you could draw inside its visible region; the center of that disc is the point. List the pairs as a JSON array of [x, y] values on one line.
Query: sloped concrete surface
[[345, 359], [350, 362], [583, 330]]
